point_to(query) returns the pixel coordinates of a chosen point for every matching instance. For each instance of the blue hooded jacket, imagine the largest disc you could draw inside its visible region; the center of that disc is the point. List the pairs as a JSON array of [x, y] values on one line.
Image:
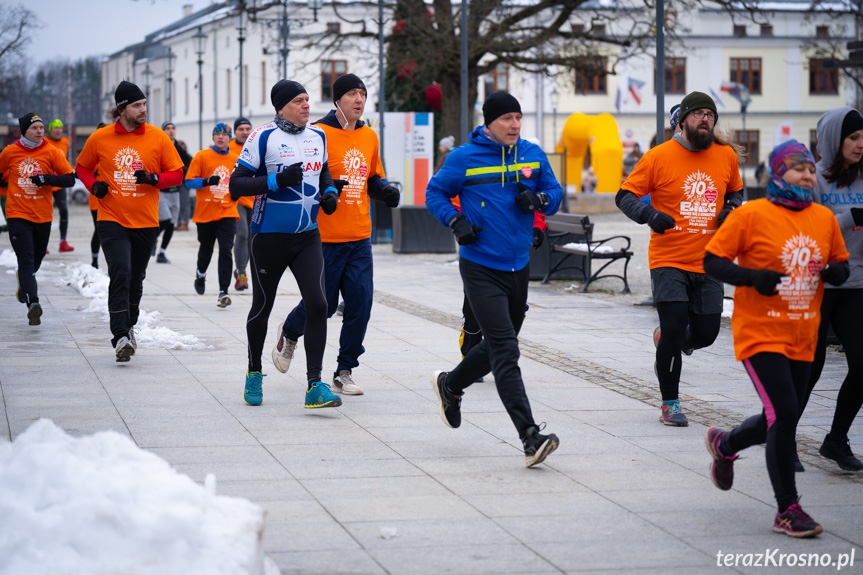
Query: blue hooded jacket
[[485, 175]]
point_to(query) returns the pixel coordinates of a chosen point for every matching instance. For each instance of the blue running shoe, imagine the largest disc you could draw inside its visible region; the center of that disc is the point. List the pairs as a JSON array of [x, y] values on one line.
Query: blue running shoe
[[253, 393], [319, 395]]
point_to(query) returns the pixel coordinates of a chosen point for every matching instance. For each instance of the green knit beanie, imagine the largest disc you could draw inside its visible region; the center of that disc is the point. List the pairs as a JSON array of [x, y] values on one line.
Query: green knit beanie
[[696, 101]]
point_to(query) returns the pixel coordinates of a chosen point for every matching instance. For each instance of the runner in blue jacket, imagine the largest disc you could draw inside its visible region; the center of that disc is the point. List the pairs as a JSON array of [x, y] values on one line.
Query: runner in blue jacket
[[501, 181]]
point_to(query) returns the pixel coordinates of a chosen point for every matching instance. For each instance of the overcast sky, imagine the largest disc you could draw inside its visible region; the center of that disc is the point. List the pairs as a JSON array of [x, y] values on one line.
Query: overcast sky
[[79, 28]]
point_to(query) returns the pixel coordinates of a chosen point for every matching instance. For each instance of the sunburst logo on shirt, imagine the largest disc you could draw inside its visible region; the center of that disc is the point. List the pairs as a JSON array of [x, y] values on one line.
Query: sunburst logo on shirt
[[699, 188], [354, 163], [26, 168], [128, 160], [801, 257]]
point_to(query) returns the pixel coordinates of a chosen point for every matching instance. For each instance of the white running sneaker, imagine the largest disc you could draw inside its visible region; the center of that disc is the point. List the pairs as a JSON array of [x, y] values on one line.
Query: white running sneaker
[[133, 340], [124, 351], [343, 383], [283, 351], [224, 300]]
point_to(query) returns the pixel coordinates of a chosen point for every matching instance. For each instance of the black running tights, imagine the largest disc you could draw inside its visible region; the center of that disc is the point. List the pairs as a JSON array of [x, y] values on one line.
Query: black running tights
[[166, 227], [94, 240], [680, 329], [271, 255], [780, 383]]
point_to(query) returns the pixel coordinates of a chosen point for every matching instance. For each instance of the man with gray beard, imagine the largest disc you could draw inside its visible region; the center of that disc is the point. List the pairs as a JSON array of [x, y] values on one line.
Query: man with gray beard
[[694, 183]]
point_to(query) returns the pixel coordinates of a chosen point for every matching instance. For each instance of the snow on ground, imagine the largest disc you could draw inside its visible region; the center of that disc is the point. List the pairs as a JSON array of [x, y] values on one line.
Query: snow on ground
[[100, 505], [93, 284]]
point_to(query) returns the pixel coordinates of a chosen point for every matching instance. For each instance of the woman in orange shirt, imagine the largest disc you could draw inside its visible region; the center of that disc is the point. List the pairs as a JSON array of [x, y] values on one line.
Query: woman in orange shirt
[[31, 167], [786, 248]]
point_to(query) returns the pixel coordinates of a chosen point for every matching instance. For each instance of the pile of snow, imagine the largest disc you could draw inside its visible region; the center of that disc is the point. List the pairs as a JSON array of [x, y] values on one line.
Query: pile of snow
[[8, 259], [727, 307], [584, 247], [100, 505]]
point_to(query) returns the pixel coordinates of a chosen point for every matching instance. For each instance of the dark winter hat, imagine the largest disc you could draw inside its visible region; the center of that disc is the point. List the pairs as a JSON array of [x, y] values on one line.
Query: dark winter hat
[[284, 91], [27, 120], [674, 116], [223, 128], [696, 101], [853, 121], [126, 93], [166, 124], [344, 84], [497, 105], [241, 122]]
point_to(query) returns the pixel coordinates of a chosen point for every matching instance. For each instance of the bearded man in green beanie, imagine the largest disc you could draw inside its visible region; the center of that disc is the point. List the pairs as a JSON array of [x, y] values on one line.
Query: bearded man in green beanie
[[694, 183]]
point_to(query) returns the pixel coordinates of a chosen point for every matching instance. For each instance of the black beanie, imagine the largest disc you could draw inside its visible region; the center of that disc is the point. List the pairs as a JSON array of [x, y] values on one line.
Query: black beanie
[[284, 91], [853, 121], [497, 105], [344, 84], [696, 101], [241, 122], [126, 93], [166, 124], [27, 120]]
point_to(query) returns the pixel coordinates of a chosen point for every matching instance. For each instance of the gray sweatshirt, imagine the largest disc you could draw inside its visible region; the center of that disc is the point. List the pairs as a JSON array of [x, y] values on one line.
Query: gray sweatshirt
[[840, 200]]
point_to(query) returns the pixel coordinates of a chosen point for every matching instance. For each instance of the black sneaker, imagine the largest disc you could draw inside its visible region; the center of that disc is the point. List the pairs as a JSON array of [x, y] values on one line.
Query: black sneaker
[[34, 313], [450, 403], [538, 446], [840, 452], [162, 259], [722, 466], [795, 522], [199, 285]]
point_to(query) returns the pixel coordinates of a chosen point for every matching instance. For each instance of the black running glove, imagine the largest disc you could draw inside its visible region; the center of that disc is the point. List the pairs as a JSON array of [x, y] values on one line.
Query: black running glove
[[836, 273], [765, 281], [329, 202], [538, 237], [391, 196], [340, 184], [857, 214], [722, 215], [529, 201], [291, 176], [660, 222], [145, 177], [39, 180], [99, 189], [212, 181], [465, 232]]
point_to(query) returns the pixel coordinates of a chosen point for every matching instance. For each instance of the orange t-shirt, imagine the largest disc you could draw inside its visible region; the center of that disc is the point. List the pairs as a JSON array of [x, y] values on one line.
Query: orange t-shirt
[[24, 199], [352, 156], [245, 201], [117, 154], [213, 202], [762, 235], [63, 145], [691, 188]]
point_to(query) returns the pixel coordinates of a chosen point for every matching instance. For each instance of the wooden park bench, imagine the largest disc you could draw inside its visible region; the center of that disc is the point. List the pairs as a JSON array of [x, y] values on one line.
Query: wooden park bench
[[569, 237]]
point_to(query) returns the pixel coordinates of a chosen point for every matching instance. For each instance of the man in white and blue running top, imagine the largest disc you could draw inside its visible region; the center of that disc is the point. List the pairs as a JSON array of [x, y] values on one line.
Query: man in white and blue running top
[[284, 165]]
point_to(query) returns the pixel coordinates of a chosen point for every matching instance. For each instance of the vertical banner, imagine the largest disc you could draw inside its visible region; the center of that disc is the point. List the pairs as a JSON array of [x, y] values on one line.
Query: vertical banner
[[409, 152]]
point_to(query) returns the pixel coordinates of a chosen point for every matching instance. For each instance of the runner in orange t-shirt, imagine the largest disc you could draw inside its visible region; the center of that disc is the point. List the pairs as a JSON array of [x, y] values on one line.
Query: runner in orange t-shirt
[[134, 160], [61, 195], [694, 182], [31, 166], [242, 129], [352, 149], [93, 205], [215, 211], [786, 248]]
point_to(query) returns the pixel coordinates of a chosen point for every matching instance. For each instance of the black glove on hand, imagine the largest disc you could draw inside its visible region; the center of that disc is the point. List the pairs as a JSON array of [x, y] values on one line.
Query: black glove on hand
[[99, 189], [857, 214], [340, 184], [465, 232], [660, 222], [39, 180], [291, 176], [538, 238], [836, 273], [722, 215], [391, 197], [212, 181], [329, 202], [765, 281], [145, 177], [528, 201]]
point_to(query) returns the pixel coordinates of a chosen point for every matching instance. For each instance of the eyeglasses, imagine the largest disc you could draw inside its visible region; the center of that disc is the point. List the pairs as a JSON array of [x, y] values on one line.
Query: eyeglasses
[[701, 115]]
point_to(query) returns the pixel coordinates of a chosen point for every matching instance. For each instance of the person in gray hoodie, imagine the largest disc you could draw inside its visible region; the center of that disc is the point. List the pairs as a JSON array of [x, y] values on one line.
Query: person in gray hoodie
[[840, 188]]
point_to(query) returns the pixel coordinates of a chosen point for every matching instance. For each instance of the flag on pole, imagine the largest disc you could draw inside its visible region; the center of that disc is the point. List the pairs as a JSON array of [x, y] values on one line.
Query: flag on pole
[[716, 98], [635, 89]]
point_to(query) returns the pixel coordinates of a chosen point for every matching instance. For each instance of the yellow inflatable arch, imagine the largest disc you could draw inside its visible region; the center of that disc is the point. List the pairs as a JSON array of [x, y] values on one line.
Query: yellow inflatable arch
[[600, 134]]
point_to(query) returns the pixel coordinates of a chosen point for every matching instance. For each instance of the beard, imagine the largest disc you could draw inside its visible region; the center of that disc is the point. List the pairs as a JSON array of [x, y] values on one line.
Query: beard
[[136, 120], [699, 141]]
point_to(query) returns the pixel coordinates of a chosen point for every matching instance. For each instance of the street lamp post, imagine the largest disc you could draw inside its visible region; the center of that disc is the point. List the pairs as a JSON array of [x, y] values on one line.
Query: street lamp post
[[200, 40], [169, 87], [241, 38], [148, 76], [284, 25], [555, 100]]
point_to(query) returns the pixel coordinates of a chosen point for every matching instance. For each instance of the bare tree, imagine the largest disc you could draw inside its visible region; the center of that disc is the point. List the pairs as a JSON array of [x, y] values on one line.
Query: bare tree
[[17, 25], [840, 22]]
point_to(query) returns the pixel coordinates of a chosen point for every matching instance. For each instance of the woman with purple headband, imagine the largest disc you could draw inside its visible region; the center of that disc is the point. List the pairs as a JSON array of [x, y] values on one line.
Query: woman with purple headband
[[786, 250]]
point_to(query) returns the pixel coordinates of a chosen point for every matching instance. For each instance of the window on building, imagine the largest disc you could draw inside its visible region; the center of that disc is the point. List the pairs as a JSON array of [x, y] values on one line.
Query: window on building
[[675, 76], [822, 31], [578, 29], [228, 87], [263, 83], [747, 71], [813, 145], [597, 30], [593, 78], [749, 141], [766, 30], [497, 80], [330, 70], [334, 27], [822, 80], [739, 30]]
